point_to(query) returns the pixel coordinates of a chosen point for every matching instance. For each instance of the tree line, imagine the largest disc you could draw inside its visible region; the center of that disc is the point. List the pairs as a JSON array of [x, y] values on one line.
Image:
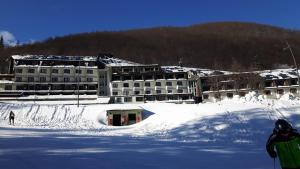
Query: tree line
[[224, 45]]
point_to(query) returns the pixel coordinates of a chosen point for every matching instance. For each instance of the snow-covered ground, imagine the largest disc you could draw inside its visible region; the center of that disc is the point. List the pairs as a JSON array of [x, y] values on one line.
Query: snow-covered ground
[[230, 134]]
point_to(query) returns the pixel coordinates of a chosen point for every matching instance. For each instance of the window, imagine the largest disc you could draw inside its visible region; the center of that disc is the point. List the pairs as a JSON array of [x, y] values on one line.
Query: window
[[126, 85], [66, 79], [43, 71], [127, 99], [54, 70], [78, 79], [8, 87], [157, 83], [147, 84], [89, 79], [148, 92], [20, 87], [180, 91], [229, 95], [139, 99], [169, 91], [136, 85], [42, 79], [30, 79], [280, 91], [293, 90], [267, 92], [30, 70], [89, 71], [169, 84], [115, 85], [158, 91], [67, 71], [179, 83], [54, 79], [205, 96], [78, 71], [115, 93], [126, 92], [136, 92], [179, 76], [18, 79], [19, 70]]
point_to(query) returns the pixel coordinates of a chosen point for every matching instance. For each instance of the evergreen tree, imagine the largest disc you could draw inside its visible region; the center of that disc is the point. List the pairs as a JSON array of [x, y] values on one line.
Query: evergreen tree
[[1, 42]]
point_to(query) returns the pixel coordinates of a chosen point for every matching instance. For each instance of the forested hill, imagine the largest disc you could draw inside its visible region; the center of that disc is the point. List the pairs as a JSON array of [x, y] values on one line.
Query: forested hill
[[222, 45]]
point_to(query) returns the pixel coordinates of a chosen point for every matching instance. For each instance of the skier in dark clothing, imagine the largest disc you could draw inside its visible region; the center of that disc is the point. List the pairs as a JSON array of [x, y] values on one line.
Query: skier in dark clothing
[[11, 118], [284, 142]]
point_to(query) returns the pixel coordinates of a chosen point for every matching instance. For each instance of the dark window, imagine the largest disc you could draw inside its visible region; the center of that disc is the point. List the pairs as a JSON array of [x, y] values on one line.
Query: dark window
[[89, 79], [127, 99], [139, 99], [30, 79], [18, 79], [115, 85], [157, 83], [19, 70], [30, 70], [169, 84], [148, 92], [126, 85], [147, 84], [136, 85], [169, 91], [136, 92], [8, 87], [131, 118], [179, 83], [267, 92], [205, 96], [89, 71], [293, 90], [280, 91], [158, 91], [54, 79], [42, 79], [78, 71], [43, 70], [115, 93], [54, 70], [66, 79], [229, 95], [67, 71], [180, 91], [179, 76]]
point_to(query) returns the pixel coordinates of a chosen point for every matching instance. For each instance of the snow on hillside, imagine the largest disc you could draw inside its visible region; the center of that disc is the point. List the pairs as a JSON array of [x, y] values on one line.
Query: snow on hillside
[[227, 134]]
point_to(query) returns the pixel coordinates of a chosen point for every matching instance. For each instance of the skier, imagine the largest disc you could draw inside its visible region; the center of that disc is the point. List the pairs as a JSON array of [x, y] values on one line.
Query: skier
[[286, 141], [11, 118]]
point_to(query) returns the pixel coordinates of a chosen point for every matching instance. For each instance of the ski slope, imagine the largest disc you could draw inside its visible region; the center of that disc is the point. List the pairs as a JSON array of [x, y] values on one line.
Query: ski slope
[[222, 135]]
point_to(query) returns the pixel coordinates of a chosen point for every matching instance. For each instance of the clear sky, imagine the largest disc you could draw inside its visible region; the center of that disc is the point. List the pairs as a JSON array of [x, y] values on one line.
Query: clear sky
[[39, 19]]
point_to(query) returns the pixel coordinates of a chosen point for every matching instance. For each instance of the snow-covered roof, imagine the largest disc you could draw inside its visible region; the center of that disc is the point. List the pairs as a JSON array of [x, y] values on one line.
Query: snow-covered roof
[[196, 71], [114, 62], [105, 59], [278, 74], [54, 57]]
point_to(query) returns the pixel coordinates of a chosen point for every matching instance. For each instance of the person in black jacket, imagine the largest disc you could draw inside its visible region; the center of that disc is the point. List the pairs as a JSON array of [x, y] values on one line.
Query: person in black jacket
[[284, 142], [11, 118]]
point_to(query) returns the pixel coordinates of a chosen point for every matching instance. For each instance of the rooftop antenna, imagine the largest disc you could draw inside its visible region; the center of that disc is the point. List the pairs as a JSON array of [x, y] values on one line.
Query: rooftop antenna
[[291, 51]]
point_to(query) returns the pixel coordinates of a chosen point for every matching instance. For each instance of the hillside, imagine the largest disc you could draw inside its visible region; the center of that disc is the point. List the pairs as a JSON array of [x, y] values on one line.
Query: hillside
[[230, 134], [223, 45]]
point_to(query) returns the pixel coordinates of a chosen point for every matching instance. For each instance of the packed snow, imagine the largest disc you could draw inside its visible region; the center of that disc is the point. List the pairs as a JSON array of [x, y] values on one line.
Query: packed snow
[[230, 134]]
